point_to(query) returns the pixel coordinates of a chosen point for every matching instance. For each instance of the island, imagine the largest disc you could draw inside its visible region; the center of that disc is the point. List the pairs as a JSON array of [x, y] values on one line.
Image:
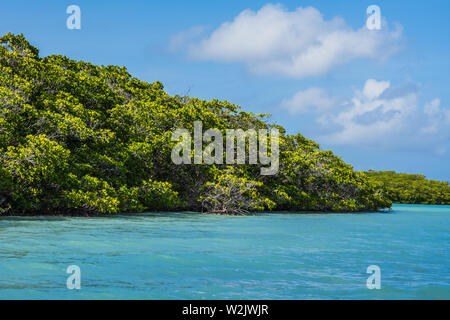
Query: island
[[82, 139]]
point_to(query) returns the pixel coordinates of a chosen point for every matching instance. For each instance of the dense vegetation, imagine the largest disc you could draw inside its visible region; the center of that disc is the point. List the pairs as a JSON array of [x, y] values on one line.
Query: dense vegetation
[[77, 138], [410, 188]]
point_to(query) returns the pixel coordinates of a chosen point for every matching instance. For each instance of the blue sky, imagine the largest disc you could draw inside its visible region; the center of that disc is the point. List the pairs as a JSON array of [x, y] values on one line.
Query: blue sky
[[379, 99]]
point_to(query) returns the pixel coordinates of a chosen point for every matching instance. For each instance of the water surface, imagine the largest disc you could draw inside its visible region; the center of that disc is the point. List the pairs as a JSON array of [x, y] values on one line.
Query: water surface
[[194, 256]]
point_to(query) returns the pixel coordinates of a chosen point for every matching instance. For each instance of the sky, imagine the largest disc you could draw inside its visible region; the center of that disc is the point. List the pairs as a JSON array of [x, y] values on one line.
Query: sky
[[379, 98]]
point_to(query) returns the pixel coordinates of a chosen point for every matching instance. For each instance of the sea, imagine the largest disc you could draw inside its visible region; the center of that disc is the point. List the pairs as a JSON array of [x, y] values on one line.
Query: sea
[[401, 254]]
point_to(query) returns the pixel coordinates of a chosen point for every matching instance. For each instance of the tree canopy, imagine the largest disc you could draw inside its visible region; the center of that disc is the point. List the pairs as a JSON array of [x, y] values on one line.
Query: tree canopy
[[410, 188], [77, 138]]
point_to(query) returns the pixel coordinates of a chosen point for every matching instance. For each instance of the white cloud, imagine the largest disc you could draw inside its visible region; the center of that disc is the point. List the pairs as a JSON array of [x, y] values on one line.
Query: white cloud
[[296, 43], [309, 100], [433, 107], [179, 40], [373, 89], [380, 117], [436, 116]]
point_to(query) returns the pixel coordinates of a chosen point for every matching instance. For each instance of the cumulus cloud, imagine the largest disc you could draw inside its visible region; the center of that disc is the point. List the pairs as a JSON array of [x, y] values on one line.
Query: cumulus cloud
[[309, 100], [373, 88], [381, 117], [295, 43], [181, 39]]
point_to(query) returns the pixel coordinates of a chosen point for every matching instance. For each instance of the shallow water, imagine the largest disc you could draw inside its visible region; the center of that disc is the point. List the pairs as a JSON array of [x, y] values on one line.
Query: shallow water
[[194, 256]]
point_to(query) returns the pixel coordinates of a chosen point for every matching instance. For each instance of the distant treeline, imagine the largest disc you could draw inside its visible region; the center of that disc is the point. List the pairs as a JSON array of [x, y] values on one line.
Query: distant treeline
[[410, 188]]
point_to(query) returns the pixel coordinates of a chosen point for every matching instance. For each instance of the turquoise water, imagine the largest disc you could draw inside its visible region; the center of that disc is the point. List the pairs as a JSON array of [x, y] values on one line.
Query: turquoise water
[[194, 256]]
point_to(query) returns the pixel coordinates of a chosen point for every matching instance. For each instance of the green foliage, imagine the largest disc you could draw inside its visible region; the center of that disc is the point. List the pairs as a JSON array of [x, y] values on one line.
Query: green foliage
[[80, 138], [232, 193], [33, 172], [410, 188], [158, 195], [92, 195]]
